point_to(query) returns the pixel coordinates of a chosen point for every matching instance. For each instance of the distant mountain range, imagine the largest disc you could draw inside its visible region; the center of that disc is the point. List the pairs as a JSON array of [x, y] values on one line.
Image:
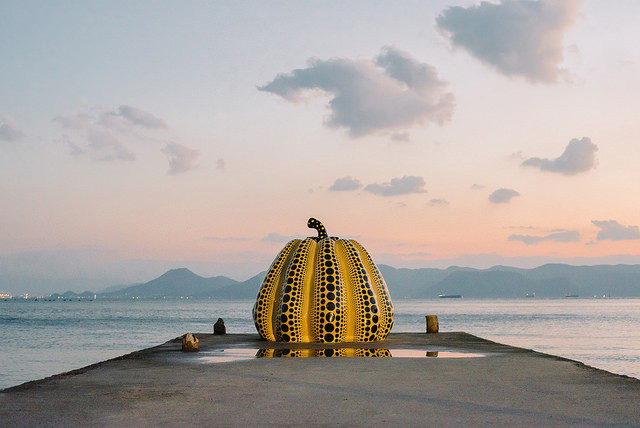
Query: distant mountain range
[[182, 282], [551, 280]]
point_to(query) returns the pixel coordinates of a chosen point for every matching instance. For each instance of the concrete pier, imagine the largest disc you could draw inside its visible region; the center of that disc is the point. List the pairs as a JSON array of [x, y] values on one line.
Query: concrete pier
[[163, 386]]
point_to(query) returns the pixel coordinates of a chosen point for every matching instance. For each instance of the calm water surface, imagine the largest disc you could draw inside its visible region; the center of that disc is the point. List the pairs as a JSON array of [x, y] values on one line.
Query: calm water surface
[[40, 338]]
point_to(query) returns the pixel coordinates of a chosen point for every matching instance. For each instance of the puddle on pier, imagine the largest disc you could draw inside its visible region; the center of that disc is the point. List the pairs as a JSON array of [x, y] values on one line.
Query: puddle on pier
[[236, 354]]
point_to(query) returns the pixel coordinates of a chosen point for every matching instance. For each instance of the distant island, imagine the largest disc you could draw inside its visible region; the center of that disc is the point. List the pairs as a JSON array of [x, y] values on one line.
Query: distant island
[[547, 281]]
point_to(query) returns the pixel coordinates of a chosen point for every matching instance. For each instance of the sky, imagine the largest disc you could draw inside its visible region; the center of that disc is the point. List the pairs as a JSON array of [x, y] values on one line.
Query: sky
[[141, 136]]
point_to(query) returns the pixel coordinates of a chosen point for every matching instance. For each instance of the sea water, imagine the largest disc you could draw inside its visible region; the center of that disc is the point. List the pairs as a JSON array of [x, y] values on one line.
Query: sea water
[[42, 338]]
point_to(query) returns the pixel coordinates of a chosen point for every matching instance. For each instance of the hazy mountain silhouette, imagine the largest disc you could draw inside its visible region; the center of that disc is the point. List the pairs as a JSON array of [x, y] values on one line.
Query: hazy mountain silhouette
[[551, 280], [113, 288], [182, 282], [405, 283], [243, 290]]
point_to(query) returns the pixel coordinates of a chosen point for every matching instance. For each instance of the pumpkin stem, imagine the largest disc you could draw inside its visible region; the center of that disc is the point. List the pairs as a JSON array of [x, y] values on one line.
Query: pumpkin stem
[[315, 224]]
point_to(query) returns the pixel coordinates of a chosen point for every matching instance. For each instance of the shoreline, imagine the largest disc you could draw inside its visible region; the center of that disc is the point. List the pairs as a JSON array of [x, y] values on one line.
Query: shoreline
[[163, 386]]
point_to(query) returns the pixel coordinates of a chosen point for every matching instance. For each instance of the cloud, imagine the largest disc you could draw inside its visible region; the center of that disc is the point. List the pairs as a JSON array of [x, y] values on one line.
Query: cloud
[[76, 122], [140, 117], [558, 236], [477, 186], [181, 158], [74, 149], [503, 196], [517, 155], [613, 231], [394, 258], [220, 164], [398, 186], [107, 135], [389, 93], [9, 130], [416, 254], [276, 238], [516, 37], [578, 156], [226, 238], [104, 146], [100, 143], [438, 203], [345, 184], [400, 137], [125, 118]]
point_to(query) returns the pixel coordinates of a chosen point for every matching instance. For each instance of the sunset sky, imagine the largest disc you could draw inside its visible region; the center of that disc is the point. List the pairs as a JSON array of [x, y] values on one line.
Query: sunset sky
[[141, 136]]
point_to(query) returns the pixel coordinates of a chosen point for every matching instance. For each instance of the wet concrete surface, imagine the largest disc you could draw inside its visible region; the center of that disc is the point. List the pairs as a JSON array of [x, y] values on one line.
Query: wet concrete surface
[[163, 386]]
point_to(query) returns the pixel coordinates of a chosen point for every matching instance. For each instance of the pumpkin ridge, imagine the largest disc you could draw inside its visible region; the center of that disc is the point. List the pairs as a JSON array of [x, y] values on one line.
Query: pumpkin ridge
[[289, 313], [328, 295], [309, 273], [278, 289], [267, 296], [349, 309], [382, 294], [364, 297]]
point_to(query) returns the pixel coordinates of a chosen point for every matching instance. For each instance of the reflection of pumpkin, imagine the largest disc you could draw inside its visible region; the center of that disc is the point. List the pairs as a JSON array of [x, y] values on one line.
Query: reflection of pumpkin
[[308, 353], [323, 289]]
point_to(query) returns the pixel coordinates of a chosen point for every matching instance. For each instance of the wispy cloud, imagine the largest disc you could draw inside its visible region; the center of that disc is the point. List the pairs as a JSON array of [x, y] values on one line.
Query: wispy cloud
[[106, 147], [345, 184], [531, 228], [9, 130], [578, 156], [415, 255], [140, 117], [558, 236], [226, 238], [76, 122], [389, 93], [438, 203], [74, 149], [109, 135], [503, 196], [613, 231], [476, 186], [398, 186], [181, 158], [516, 37], [400, 137], [276, 238], [221, 164], [123, 119]]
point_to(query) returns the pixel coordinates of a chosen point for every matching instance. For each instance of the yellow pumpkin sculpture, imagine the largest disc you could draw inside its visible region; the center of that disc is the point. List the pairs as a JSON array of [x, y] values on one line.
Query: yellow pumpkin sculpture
[[323, 289]]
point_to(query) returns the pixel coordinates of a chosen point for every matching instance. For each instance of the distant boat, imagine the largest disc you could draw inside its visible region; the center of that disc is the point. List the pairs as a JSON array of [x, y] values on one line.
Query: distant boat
[[571, 296], [450, 296], [530, 295]]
